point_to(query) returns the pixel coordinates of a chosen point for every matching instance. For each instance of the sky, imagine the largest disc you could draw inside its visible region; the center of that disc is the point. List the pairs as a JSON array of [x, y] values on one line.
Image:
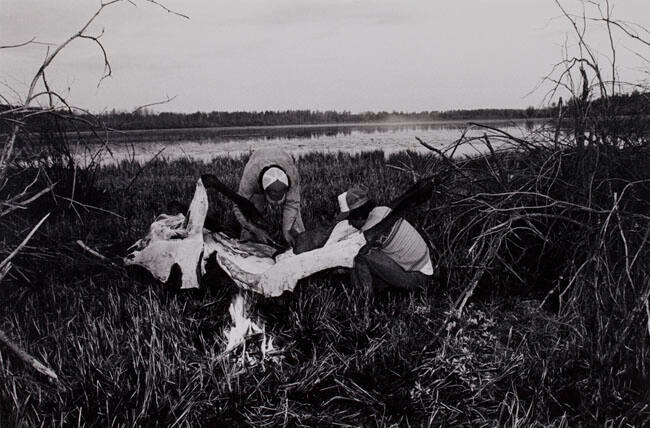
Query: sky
[[354, 55]]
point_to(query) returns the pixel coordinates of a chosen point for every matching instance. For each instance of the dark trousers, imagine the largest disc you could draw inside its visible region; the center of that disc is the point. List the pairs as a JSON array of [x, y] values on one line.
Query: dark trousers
[[374, 271]]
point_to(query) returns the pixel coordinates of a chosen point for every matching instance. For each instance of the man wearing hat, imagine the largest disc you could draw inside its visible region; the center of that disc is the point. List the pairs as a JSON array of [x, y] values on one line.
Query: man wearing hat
[[400, 260], [271, 178]]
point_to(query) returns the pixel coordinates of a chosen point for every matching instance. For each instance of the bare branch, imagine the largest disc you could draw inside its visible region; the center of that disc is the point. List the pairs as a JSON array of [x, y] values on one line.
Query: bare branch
[[32, 41], [168, 100], [26, 358], [15, 205], [167, 9], [142, 168], [51, 95], [5, 270], [622, 26], [95, 253], [19, 45], [9, 145], [107, 65], [500, 131], [91, 207], [7, 151], [611, 43], [582, 44], [13, 254]]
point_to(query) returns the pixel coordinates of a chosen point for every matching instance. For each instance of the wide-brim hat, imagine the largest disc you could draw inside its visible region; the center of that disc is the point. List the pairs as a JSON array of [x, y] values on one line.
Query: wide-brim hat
[[355, 197]]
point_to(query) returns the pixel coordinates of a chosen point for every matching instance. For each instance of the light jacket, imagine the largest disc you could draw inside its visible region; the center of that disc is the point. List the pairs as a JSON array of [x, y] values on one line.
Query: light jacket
[[250, 186]]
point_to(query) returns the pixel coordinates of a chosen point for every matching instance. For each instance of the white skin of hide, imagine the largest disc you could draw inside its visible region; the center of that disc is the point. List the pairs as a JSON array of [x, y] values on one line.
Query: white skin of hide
[[251, 266]]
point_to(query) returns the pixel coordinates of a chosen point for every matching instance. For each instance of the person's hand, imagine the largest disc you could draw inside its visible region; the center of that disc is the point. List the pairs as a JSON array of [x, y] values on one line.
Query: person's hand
[[261, 235], [289, 238]]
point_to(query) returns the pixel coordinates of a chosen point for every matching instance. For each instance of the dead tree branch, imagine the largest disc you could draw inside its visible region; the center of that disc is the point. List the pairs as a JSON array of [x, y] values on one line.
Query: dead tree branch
[[144, 106], [165, 8], [19, 45], [13, 254], [26, 358]]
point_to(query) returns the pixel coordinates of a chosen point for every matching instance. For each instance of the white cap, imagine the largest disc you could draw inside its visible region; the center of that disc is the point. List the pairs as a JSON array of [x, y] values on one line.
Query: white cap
[[343, 203], [272, 175]]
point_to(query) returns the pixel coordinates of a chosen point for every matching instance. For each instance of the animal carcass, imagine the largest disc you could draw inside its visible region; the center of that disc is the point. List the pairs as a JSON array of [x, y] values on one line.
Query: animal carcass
[[182, 241]]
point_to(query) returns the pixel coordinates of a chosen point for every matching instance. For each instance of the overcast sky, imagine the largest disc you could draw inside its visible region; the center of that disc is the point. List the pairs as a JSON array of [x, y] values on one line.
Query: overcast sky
[[356, 55]]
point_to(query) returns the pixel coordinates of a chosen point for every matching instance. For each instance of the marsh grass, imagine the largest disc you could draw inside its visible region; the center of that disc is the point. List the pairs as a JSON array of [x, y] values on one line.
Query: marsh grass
[[132, 352]]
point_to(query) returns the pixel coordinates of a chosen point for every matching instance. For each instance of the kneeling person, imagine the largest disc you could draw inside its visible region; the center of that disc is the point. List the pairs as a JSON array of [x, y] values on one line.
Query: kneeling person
[[271, 178], [400, 260]]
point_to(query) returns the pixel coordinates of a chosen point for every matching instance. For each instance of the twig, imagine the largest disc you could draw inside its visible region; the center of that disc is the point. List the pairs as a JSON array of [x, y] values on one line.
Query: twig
[[91, 207], [142, 168], [5, 270], [31, 41], [26, 358], [167, 9], [23, 204], [168, 100], [19, 44], [501, 131], [459, 305], [446, 159], [95, 253], [108, 71], [462, 300], [647, 309], [7, 151], [13, 254]]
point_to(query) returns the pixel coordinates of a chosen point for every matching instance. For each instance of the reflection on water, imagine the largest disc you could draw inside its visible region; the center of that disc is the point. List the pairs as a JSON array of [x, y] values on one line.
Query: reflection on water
[[208, 143]]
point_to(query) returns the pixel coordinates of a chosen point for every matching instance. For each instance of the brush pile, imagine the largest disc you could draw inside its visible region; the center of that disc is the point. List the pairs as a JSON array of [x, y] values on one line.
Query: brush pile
[[563, 220]]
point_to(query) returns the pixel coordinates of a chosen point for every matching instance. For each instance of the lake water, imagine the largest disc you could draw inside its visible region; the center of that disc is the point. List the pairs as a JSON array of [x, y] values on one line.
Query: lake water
[[206, 144]]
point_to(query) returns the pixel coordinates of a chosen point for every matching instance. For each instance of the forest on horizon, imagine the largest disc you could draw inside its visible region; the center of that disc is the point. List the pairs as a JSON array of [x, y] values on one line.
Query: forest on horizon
[[630, 104]]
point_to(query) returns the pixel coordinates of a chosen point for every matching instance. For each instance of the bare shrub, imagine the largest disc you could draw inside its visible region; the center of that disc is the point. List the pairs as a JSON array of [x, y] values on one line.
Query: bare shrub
[[37, 157], [562, 213]]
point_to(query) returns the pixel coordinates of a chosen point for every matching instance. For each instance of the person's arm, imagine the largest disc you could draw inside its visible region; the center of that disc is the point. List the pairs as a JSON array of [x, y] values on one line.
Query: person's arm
[[292, 203], [380, 224], [260, 234], [289, 214], [247, 188], [243, 221], [342, 230]]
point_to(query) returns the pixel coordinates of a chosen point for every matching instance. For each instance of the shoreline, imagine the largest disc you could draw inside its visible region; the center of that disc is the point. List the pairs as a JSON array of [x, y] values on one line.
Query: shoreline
[[331, 125], [458, 123]]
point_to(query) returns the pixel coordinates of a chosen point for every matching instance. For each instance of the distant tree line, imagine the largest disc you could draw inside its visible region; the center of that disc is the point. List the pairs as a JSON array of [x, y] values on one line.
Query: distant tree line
[[626, 104], [631, 104], [151, 120]]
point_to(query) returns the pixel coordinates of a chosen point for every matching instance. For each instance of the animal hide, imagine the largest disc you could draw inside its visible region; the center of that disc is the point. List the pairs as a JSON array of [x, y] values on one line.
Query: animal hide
[[174, 240], [182, 241]]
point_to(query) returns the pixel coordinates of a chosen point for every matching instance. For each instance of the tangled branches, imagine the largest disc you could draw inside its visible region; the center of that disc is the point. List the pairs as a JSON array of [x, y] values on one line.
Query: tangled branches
[[568, 226], [18, 119], [561, 213]]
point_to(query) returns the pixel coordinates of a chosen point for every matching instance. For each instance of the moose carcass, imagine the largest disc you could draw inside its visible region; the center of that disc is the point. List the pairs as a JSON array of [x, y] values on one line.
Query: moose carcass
[[182, 241]]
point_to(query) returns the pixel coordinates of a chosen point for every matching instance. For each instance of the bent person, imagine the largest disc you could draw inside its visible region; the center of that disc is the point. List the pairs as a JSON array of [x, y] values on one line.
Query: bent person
[[399, 260], [271, 178]]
